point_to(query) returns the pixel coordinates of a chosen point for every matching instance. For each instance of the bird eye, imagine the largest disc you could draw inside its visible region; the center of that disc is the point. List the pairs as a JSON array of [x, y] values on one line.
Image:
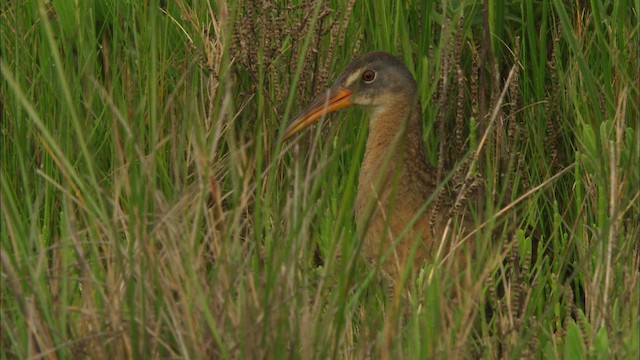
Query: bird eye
[[368, 76]]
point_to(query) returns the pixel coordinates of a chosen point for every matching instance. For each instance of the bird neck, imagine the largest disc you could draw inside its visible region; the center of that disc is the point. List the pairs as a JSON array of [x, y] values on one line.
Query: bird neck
[[394, 170], [395, 139]]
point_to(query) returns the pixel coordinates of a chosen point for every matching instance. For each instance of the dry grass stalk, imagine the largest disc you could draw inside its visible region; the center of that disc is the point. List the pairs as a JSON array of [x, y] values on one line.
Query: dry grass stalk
[[443, 101], [513, 125], [551, 107], [457, 53], [475, 70], [257, 42]]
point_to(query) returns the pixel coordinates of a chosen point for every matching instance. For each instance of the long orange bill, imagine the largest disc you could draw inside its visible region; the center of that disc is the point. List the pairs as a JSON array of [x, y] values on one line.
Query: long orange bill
[[335, 98]]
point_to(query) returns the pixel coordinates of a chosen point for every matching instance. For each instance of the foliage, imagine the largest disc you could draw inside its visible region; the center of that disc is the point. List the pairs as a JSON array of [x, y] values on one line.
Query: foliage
[[149, 209]]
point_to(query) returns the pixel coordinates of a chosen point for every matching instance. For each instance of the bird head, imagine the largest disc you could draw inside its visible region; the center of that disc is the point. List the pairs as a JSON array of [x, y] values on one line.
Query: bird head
[[373, 81]]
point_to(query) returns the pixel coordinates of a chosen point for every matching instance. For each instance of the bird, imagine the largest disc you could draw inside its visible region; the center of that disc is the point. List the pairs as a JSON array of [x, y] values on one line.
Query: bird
[[396, 183]]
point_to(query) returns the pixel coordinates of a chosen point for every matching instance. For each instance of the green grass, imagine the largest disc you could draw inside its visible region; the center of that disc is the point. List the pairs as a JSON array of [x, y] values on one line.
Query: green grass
[[147, 212]]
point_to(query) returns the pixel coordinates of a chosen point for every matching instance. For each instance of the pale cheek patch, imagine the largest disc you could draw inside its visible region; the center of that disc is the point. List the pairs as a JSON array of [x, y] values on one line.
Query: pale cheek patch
[[351, 79]]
